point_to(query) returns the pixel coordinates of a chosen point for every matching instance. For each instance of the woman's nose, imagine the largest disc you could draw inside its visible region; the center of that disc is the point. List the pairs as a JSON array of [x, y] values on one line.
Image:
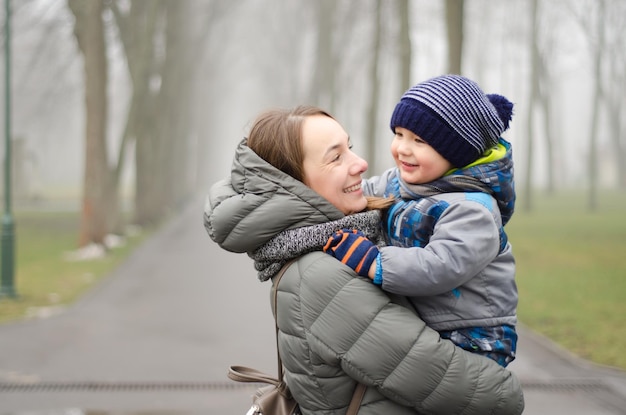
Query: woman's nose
[[359, 165]]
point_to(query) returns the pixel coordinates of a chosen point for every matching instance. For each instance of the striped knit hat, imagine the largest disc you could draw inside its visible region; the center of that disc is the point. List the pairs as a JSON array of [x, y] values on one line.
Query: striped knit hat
[[454, 116]]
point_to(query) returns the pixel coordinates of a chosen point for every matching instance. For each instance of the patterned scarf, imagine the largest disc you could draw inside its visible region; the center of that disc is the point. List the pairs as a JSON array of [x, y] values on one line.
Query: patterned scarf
[[292, 243]]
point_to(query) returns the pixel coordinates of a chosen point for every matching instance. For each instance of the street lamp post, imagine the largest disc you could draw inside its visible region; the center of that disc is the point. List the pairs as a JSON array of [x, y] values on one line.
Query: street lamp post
[[8, 241]]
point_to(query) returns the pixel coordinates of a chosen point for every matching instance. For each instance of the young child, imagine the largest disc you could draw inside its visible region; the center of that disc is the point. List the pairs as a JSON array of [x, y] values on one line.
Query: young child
[[454, 190]]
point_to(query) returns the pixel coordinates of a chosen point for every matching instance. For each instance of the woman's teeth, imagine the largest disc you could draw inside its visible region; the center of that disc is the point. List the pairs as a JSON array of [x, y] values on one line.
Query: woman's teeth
[[352, 188]]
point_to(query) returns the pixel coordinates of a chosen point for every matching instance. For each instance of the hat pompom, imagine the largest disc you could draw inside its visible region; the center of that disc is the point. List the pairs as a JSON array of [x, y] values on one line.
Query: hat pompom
[[504, 108]]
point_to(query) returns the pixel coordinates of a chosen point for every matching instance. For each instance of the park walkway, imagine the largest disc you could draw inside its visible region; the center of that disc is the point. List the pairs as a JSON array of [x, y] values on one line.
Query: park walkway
[[157, 336]]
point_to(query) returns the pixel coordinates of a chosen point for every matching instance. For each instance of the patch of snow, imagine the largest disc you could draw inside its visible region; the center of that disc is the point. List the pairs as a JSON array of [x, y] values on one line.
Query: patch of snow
[[88, 252]]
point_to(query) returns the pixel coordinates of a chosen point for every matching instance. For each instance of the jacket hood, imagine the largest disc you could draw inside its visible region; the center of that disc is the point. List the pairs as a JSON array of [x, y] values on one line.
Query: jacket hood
[[258, 201], [496, 172]]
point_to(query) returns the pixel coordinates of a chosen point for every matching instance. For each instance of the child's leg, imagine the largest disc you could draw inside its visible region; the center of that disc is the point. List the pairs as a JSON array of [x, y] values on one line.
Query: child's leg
[[498, 343]]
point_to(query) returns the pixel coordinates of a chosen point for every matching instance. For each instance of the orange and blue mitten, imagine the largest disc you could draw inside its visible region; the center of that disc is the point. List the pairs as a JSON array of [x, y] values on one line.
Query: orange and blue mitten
[[352, 248]]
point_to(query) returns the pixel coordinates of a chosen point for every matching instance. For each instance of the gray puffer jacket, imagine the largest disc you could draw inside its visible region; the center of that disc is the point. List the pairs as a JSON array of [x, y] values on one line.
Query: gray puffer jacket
[[337, 329]]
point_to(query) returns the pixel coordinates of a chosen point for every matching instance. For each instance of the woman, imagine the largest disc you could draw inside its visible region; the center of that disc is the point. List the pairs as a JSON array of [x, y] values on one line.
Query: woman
[[294, 182]]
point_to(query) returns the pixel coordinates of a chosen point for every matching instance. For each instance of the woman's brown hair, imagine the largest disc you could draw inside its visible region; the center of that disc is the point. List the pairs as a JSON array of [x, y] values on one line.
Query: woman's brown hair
[[276, 137]]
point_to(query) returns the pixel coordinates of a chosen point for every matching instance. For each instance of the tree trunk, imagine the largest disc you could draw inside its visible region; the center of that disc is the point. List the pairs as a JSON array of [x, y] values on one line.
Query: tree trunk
[[454, 25], [138, 29], [404, 45], [592, 201], [323, 86], [617, 133], [546, 105], [374, 82], [598, 52], [174, 132], [156, 38], [89, 32], [616, 97], [532, 98], [540, 51], [136, 33]]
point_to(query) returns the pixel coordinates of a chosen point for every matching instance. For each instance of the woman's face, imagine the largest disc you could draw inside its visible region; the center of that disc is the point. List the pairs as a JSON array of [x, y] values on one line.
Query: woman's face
[[330, 167]]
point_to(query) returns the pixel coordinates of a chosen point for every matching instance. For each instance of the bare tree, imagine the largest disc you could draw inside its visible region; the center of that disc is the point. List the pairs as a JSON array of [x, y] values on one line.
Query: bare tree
[[174, 127], [375, 85], [615, 88], [454, 26], [592, 21], [542, 52], [598, 52], [89, 32], [156, 36], [137, 28], [404, 44], [532, 98], [539, 102], [323, 86]]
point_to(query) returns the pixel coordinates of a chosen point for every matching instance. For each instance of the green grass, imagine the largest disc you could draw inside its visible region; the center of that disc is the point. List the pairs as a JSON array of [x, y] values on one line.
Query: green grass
[[43, 279], [571, 273]]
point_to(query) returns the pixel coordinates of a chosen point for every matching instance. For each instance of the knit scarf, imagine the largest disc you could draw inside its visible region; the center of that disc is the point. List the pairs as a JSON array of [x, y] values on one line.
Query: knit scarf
[[292, 243]]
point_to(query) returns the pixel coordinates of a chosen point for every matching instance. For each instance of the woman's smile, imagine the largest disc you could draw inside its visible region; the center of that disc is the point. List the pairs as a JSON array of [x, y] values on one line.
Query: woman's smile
[[352, 188]]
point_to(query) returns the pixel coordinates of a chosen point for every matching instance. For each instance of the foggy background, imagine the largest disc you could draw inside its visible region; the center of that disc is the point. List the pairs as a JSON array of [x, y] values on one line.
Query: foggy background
[[183, 80]]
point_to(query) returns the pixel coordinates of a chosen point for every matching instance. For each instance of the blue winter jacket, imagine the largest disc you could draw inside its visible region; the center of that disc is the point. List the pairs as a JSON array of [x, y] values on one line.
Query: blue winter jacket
[[459, 269]]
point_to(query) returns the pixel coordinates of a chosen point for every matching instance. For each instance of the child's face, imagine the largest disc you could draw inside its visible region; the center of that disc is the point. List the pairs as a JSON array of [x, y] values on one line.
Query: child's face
[[417, 161]]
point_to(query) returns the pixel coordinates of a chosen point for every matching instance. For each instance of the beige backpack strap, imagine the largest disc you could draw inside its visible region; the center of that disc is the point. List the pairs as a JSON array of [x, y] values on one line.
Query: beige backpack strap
[[276, 280]]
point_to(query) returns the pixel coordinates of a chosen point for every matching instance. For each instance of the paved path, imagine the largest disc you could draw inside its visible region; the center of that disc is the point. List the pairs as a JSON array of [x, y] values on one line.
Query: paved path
[[157, 336]]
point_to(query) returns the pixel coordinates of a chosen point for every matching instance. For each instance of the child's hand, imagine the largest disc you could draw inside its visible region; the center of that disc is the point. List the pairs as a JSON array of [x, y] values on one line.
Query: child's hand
[[352, 248]]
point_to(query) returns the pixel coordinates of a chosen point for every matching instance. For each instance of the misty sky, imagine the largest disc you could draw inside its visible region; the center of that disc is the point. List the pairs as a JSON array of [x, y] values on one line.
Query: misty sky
[[48, 102]]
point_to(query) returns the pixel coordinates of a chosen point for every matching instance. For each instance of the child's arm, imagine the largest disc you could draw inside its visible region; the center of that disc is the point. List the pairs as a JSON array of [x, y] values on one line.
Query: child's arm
[[465, 240]]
